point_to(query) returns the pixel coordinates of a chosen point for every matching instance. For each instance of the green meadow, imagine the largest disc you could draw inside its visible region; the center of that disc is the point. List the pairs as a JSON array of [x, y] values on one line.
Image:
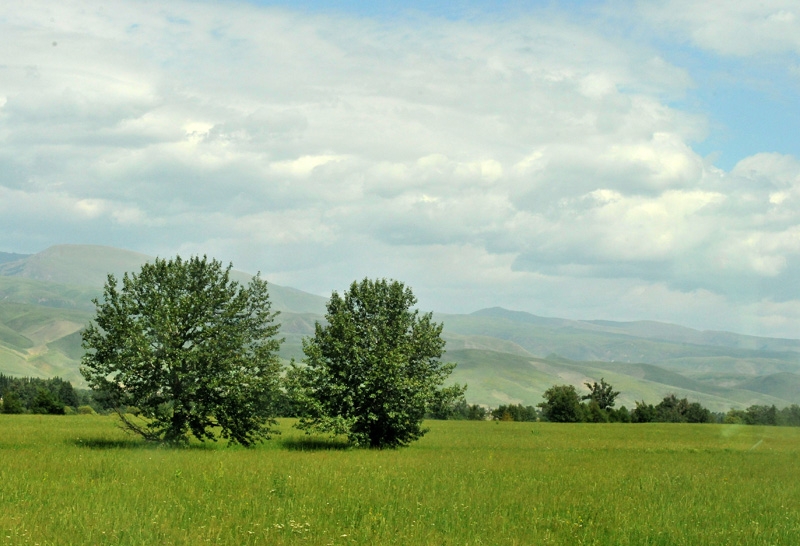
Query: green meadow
[[81, 480]]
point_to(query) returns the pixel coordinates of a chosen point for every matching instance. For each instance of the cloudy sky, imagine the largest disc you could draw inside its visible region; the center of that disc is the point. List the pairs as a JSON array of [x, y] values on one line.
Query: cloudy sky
[[612, 160]]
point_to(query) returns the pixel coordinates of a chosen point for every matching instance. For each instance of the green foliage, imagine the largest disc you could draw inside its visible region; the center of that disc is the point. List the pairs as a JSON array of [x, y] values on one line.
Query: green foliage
[[476, 412], [43, 396], [643, 413], [562, 405], [761, 415], [515, 412], [12, 402], [671, 410], [46, 403], [790, 416], [374, 370], [602, 394], [735, 417], [593, 413], [189, 347], [621, 415], [449, 403], [696, 413]]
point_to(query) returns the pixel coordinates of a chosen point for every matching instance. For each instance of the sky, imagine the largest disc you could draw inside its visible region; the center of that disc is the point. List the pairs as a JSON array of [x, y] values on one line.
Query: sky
[[614, 160]]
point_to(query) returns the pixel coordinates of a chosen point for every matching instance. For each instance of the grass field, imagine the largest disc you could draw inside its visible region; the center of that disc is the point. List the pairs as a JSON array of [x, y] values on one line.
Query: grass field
[[80, 480]]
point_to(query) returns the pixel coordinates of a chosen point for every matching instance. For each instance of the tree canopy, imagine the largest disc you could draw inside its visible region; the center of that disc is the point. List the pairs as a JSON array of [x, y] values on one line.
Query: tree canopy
[[601, 393], [190, 348], [562, 405], [374, 369]]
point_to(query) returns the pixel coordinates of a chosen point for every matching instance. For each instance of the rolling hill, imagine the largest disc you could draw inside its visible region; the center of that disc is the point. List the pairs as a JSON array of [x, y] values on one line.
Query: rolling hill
[[504, 356]]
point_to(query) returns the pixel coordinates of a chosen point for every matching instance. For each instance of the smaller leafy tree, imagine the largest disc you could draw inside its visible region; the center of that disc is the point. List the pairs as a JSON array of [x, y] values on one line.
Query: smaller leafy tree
[[761, 415], [621, 415], [790, 416], [735, 417], [45, 402], [672, 409], [593, 413], [696, 413], [562, 405], [448, 403], [189, 347], [12, 402], [374, 370], [643, 413], [601, 394], [476, 412]]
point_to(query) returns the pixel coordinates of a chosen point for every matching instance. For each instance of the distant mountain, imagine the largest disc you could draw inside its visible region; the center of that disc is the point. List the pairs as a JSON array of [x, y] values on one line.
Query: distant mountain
[[504, 356], [11, 257], [75, 265], [650, 342], [37, 341], [88, 266], [47, 294], [646, 329], [784, 384], [502, 378]]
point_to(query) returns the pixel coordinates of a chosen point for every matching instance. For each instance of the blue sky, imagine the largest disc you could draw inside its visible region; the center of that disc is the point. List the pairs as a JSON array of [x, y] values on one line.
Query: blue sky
[[602, 160]]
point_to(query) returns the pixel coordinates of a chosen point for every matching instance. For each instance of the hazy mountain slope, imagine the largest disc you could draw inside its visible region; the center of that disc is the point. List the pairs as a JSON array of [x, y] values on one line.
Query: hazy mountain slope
[[87, 266], [48, 294], [11, 257], [784, 385], [652, 330], [579, 341], [76, 265], [502, 378], [41, 341]]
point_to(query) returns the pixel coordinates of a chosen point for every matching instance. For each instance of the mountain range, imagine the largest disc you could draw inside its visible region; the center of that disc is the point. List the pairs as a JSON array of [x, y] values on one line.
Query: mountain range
[[504, 356]]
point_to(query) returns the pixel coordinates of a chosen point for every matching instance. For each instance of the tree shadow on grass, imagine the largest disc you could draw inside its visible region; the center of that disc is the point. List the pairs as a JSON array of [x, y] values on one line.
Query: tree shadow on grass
[[107, 443], [315, 444]]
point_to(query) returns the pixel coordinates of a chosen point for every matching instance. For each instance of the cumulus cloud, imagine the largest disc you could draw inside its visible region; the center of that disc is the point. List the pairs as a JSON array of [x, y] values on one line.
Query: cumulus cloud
[[534, 162], [732, 28]]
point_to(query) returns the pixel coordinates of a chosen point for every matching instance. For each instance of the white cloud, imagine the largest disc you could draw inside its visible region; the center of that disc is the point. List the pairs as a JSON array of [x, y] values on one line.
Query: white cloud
[[532, 162], [734, 28]]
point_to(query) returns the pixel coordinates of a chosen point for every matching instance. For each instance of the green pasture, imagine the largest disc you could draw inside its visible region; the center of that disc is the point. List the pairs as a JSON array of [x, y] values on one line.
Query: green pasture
[[80, 480]]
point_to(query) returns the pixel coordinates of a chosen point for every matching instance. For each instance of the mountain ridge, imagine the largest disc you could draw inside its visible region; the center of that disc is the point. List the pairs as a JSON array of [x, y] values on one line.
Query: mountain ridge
[[505, 356]]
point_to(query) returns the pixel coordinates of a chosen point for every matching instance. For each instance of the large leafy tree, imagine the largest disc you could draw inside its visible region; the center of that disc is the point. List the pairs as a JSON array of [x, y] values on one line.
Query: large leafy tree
[[374, 369], [189, 347]]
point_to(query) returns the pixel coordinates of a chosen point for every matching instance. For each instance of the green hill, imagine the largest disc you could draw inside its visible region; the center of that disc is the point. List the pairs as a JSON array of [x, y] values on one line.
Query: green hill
[[784, 385], [47, 294], [647, 330], [39, 341], [505, 356], [502, 378]]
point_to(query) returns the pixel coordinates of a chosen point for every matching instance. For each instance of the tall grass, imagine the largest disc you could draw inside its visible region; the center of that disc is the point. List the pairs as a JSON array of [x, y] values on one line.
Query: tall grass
[[80, 480]]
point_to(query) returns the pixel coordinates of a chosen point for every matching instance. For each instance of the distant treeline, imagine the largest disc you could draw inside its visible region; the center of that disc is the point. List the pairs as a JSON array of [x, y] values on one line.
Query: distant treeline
[[44, 396], [561, 404]]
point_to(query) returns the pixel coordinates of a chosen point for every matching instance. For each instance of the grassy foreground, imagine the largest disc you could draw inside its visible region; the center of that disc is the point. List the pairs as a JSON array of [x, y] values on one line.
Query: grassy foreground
[[80, 480]]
